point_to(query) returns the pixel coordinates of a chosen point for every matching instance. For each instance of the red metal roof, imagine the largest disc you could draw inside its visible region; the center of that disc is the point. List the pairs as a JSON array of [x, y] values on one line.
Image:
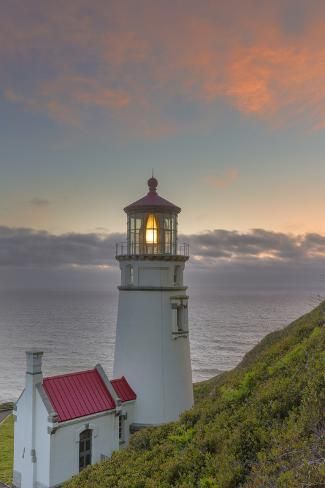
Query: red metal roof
[[123, 389], [78, 394], [152, 200]]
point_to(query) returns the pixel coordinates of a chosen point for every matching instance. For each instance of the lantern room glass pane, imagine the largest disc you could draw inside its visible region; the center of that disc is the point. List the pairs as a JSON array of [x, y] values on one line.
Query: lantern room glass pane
[[134, 237], [151, 230], [168, 237], [152, 233]]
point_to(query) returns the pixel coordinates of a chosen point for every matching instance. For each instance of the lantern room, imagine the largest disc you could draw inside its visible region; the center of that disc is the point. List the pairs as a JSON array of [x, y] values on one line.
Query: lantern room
[[152, 224]]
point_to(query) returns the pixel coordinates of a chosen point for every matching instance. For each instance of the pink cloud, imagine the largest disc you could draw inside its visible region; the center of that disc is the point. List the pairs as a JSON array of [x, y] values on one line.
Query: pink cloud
[[224, 180], [143, 56]]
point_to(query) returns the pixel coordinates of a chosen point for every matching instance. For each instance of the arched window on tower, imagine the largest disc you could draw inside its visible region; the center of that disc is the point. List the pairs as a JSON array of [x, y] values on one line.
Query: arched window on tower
[[177, 275], [85, 449], [179, 316]]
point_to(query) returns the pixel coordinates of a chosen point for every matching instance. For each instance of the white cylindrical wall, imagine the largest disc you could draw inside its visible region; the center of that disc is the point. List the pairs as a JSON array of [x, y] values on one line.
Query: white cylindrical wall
[[155, 361]]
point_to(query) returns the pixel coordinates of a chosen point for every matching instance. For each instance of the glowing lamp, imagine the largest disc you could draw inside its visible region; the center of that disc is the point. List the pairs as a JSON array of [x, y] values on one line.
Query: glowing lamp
[[151, 230]]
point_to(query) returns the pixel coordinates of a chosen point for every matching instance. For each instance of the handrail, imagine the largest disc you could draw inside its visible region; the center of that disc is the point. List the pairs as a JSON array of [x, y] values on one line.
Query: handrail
[[127, 249]]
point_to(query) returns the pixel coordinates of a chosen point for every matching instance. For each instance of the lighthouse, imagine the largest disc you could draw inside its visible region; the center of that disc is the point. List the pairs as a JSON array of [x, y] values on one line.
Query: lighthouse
[[152, 338]]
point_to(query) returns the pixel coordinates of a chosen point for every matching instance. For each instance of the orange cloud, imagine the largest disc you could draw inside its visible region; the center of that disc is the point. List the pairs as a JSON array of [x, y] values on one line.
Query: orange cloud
[[132, 60], [224, 180], [64, 98], [54, 108]]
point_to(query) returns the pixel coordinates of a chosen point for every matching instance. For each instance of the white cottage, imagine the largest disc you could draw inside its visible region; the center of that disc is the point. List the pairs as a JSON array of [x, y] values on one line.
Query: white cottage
[[64, 423]]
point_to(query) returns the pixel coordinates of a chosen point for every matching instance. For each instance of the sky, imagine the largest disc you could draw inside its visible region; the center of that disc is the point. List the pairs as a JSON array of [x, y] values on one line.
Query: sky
[[224, 100]]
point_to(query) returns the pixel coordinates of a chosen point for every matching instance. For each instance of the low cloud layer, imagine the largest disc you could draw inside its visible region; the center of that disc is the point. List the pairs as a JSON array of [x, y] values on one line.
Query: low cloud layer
[[258, 244], [29, 248]]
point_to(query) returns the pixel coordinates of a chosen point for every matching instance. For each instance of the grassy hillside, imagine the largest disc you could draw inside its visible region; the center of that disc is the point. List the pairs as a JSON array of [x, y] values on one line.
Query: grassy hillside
[[6, 449], [260, 425]]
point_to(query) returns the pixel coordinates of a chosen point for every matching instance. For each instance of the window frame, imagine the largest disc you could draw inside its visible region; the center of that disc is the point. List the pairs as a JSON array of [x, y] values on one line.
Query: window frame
[[164, 231], [85, 453], [179, 306], [121, 428]]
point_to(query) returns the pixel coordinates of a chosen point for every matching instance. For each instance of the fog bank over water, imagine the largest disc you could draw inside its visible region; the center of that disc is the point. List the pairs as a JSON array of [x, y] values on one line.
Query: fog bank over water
[[309, 276]]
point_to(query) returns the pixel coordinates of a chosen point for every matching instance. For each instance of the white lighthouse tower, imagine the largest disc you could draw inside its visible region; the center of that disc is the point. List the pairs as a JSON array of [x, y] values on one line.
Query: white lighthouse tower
[[152, 344]]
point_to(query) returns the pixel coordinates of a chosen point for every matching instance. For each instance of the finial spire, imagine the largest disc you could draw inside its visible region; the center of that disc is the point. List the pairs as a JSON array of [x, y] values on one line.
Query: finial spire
[[152, 183]]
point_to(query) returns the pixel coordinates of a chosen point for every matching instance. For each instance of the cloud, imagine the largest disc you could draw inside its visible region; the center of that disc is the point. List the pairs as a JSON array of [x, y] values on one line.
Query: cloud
[[256, 245], [30, 248], [55, 109], [266, 59], [228, 177], [39, 202], [27, 247], [64, 98]]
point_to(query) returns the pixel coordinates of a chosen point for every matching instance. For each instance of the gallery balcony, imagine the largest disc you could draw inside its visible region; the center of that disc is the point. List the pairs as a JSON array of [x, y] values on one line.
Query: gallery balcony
[[125, 250]]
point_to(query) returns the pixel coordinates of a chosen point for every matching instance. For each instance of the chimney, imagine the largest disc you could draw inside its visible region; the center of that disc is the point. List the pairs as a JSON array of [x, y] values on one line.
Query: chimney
[[34, 377], [34, 362]]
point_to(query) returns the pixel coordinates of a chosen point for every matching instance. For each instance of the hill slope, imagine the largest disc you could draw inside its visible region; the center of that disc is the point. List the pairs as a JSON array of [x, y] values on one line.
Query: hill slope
[[260, 425], [6, 449]]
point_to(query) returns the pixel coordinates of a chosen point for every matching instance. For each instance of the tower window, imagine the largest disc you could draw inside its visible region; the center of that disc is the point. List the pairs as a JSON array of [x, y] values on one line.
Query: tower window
[[130, 274], [179, 317], [85, 448], [177, 275]]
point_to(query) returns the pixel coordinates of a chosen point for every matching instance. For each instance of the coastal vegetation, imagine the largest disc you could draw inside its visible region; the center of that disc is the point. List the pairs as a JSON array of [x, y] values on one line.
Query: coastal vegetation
[[6, 449], [259, 425]]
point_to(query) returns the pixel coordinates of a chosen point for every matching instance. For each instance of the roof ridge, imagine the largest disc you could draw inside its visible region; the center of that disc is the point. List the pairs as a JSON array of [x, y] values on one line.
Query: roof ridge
[[69, 374], [118, 379]]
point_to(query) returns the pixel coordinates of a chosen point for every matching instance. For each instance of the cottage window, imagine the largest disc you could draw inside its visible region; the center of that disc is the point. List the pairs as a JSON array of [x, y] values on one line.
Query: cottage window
[[85, 447], [121, 428]]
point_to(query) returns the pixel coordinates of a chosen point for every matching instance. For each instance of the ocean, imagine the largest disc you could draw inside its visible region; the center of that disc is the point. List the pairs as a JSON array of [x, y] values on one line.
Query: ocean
[[229, 312]]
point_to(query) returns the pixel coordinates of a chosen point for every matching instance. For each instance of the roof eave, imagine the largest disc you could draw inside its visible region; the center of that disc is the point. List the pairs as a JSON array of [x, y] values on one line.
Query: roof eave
[[153, 208]]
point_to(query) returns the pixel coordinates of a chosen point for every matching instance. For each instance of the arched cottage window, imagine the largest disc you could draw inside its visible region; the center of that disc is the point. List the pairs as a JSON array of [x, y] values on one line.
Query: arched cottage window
[[85, 449]]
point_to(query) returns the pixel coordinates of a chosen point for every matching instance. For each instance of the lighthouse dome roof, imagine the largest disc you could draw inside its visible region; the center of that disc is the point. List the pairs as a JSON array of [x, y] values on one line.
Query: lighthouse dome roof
[[152, 201]]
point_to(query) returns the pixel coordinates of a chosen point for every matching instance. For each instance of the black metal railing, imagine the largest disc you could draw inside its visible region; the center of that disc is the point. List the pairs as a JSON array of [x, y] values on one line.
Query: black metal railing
[[141, 249]]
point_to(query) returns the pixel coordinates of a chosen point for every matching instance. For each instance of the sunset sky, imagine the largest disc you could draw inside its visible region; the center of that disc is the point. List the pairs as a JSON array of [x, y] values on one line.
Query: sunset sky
[[225, 100]]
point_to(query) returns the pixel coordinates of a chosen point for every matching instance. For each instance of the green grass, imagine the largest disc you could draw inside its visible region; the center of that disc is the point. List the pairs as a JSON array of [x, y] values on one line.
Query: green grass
[[260, 425], [6, 449]]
